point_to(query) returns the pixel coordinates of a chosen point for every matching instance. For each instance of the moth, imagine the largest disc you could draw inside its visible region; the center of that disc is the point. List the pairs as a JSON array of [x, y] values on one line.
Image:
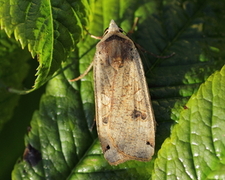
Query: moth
[[124, 114]]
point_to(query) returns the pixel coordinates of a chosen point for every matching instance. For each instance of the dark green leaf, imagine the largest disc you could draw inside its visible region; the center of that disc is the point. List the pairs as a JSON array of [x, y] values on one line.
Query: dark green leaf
[[11, 74]]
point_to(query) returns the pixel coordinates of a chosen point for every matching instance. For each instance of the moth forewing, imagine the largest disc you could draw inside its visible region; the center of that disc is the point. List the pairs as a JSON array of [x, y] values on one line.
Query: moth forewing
[[124, 115]]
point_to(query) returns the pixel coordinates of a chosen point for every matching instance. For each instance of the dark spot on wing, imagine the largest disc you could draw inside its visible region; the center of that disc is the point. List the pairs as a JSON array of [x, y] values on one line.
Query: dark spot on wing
[[137, 114], [149, 144], [107, 148], [105, 120]]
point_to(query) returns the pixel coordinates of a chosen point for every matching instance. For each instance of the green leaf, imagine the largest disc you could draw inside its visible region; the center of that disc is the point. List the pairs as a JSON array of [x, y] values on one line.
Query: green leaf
[[195, 149], [62, 143], [59, 130], [49, 30]]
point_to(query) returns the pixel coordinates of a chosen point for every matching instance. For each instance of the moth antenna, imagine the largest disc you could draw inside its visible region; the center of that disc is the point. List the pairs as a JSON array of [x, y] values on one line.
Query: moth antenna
[[154, 55], [141, 48], [133, 27]]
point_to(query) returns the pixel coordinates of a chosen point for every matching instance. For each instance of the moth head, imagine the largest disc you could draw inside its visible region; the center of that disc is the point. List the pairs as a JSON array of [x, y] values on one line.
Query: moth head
[[113, 28]]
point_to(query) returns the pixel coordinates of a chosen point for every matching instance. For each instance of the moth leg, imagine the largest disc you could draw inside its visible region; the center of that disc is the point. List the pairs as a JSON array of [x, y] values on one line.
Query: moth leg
[[84, 74], [93, 124], [93, 36]]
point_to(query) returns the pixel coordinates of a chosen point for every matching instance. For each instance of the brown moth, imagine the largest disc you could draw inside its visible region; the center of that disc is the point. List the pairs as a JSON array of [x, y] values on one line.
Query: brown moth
[[124, 115]]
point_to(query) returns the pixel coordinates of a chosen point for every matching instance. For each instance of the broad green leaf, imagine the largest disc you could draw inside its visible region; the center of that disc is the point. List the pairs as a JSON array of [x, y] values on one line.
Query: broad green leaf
[[62, 143], [58, 131], [49, 29], [195, 149]]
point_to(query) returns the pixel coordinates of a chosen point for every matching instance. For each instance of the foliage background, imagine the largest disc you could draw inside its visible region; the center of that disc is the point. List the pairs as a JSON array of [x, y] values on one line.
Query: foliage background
[[187, 90]]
